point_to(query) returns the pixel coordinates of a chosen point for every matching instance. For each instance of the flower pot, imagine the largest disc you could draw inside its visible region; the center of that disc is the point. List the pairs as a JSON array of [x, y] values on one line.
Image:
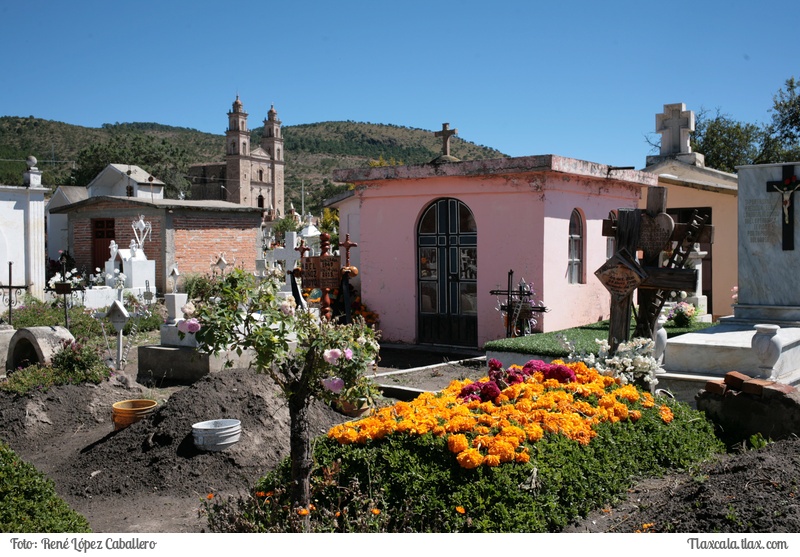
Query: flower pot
[[354, 410], [127, 412]]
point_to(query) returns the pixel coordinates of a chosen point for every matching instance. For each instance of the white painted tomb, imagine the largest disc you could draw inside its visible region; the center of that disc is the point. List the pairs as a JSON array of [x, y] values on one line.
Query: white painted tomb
[[769, 299]]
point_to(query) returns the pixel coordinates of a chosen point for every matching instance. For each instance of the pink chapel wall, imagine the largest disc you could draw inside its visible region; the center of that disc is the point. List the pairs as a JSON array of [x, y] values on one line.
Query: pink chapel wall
[[523, 224]]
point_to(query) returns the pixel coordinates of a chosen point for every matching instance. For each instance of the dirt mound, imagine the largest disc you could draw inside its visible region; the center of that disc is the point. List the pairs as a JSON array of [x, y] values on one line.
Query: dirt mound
[[68, 434]]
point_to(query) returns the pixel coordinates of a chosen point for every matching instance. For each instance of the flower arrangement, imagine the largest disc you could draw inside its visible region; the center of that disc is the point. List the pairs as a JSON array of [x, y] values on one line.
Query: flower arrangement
[[632, 362], [683, 314], [73, 278], [97, 278], [116, 279], [487, 424]]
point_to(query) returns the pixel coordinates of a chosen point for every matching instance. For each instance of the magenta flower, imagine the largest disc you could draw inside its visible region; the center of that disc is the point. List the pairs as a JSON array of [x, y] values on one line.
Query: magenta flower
[[189, 325], [348, 354], [494, 364], [332, 355], [333, 384]]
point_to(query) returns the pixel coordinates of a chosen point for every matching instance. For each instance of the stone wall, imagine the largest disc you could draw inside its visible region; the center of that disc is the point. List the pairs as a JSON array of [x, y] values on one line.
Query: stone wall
[[741, 406]]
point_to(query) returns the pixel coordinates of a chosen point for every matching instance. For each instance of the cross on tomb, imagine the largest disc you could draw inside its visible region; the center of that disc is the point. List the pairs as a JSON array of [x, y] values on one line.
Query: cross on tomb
[[675, 125], [347, 245], [786, 186], [288, 256], [445, 135], [650, 231]]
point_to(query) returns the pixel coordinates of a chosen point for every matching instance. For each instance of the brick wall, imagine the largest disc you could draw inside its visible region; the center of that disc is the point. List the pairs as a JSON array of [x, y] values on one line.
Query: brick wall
[[200, 238], [742, 406], [197, 236]]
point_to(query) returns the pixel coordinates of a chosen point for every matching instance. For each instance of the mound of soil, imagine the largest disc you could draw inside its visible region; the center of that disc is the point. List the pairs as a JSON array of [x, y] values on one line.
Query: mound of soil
[[149, 477]]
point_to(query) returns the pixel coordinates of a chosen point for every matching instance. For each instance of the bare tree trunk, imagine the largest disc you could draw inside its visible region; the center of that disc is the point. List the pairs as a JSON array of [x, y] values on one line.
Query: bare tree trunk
[[300, 452]]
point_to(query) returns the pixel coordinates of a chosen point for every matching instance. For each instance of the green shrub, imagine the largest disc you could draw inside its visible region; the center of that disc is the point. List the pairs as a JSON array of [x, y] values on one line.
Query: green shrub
[[197, 286], [549, 345], [76, 362], [35, 313], [407, 483], [29, 501]]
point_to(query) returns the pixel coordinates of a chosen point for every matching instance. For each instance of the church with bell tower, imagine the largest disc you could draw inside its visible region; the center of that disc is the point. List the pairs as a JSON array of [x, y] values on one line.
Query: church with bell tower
[[253, 177]]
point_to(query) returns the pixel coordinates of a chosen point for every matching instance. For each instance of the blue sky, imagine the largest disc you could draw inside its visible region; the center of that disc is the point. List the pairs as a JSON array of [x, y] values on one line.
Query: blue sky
[[577, 79]]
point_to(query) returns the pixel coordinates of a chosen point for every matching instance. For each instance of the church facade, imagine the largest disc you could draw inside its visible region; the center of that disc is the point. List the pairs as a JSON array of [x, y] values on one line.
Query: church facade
[[253, 177]]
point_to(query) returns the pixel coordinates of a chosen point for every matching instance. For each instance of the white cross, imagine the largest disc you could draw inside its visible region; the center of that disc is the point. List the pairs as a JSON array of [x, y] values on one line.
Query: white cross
[[675, 125], [286, 256]]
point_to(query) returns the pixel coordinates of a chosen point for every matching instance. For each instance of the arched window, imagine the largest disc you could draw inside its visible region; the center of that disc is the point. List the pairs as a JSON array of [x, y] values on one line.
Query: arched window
[[260, 201], [260, 177], [244, 147], [575, 266]]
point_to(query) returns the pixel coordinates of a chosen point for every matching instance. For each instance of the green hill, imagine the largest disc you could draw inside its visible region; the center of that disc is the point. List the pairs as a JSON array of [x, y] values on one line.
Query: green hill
[[312, 151]]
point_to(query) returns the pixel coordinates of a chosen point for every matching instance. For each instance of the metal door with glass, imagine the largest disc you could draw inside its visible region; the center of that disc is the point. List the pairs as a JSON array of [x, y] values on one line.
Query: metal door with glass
[[447, 275]]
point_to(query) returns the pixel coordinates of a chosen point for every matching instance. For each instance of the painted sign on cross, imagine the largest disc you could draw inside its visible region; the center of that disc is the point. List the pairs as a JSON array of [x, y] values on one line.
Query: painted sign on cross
[[650, 231]]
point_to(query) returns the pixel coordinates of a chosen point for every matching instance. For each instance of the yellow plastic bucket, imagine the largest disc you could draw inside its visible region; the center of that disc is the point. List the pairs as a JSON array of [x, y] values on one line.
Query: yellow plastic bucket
[[127, 412]]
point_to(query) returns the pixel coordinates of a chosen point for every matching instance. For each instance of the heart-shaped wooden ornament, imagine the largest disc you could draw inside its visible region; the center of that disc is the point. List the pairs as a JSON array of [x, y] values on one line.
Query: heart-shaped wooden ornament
[[654, 235]]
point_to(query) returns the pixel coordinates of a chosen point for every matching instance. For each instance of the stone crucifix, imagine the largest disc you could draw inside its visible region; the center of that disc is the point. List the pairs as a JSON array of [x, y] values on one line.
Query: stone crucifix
[[786, 186], [675, 125], [445, 135]]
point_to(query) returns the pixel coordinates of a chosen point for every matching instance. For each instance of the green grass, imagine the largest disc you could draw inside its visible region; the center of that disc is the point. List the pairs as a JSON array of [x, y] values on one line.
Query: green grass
[[28, 501], [548, 345]]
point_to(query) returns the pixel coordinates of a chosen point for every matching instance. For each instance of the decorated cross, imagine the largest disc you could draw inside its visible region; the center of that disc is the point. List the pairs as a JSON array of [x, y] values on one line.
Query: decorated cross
[[323, 272], [650, 231], [786, 186], [445, 135]]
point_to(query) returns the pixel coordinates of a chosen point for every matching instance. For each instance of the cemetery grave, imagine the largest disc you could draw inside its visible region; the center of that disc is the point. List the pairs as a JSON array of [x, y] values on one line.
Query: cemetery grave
[[149, 478]]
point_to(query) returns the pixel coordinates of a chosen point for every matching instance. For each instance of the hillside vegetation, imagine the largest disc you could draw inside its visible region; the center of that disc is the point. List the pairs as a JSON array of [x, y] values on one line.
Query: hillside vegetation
[[312, 151]]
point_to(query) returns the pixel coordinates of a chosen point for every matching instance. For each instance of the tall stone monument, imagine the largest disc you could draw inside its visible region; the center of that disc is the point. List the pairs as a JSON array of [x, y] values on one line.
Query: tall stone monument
[[762, 338]]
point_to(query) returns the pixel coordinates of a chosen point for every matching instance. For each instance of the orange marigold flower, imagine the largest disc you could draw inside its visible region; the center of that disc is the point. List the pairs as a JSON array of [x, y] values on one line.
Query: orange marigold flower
[[302, 512], [210, 496], [460, 510], [471, 458], [492, 460], [634, 415], [457, 443], [666, 414], [376, 512]]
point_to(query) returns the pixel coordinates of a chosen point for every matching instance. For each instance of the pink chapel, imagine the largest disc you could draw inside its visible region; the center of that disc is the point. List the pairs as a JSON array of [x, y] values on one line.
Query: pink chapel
[[434, 240]]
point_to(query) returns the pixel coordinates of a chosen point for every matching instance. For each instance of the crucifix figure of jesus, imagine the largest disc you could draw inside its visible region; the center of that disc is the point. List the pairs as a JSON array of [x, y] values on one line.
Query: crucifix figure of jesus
[[786, 186], [787, 200]]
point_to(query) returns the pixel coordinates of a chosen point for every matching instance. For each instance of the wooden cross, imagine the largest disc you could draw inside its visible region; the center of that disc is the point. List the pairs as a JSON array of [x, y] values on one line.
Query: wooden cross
[[347, 245], [786, 186], [650, 231], [445, 135], [302, 248], [674, 125]]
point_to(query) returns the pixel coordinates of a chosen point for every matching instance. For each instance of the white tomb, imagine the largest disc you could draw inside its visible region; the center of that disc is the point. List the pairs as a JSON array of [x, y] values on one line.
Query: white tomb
[[762, 337]]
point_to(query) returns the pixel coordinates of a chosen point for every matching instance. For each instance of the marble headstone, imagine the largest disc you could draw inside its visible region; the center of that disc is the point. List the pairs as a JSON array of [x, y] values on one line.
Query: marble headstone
[[767, 271]]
